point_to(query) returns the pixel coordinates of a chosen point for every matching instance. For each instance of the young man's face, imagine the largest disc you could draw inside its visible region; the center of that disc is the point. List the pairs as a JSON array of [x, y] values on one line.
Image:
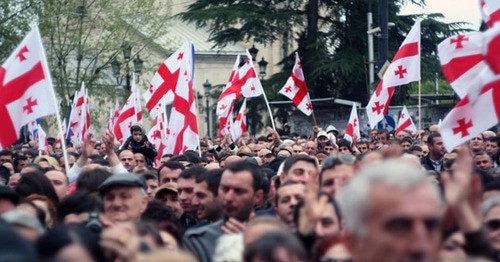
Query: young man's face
[[137, 136]]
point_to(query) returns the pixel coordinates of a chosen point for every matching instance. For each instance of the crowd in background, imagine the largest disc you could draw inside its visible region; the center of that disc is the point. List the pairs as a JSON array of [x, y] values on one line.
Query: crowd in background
[[288, 197]]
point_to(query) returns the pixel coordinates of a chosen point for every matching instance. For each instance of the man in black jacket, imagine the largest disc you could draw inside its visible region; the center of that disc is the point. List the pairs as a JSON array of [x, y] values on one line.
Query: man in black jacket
[[434, 160]]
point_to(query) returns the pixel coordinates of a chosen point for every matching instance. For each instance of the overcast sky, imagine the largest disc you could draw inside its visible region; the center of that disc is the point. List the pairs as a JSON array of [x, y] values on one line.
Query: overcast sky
[[453, 10]]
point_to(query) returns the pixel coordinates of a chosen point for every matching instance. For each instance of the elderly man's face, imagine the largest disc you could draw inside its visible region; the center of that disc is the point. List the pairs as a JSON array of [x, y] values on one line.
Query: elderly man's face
[[123, 203], [399, 225]]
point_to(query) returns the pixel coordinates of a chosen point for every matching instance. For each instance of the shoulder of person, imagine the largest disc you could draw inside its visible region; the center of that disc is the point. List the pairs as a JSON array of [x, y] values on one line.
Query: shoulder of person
[[214, 227]]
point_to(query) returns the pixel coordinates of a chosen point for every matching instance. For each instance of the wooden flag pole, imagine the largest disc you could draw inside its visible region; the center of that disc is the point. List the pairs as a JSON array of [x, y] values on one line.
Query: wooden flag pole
[[419, 104], [58, 118]]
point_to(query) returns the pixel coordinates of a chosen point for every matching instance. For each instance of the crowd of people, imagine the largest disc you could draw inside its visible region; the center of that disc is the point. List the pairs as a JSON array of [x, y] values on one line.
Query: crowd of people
[[280, 197]]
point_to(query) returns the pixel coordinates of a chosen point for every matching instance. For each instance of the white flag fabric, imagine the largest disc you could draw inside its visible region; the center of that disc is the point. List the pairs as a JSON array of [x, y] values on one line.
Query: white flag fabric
[[461, 58], [240, 123], [405, 66], [490, 11], [43, 143], [467, 120], [79, 120], [405, 122], [352, 130], [26, 90], [296, 89], [182, 131], [130, 114], [378, 104], [157, 134], [226, 101]]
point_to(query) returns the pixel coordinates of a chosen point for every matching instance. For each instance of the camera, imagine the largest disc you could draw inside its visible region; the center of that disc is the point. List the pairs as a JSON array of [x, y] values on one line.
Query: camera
[[94, 225]]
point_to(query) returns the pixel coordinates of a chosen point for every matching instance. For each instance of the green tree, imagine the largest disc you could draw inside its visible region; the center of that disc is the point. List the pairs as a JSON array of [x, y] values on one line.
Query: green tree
[[330, 35]]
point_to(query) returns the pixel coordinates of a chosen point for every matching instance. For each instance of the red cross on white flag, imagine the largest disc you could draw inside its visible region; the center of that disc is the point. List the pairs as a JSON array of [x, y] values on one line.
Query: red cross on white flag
[[43, 143], [130, 114], [467, 120], [240, 123], [405, 122], [183, 125], [490, 11], [296, 89], [158, 135], [405, 66], [352, 130], [461, 57], [26, 90]]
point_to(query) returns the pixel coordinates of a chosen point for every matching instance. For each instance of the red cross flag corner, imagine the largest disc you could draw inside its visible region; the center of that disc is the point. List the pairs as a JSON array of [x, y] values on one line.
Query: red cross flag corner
[[296, 89], [26, 90], [352, 130]]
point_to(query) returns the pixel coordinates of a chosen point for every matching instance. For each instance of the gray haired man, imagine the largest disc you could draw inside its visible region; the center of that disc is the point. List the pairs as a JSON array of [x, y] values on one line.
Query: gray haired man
[[392, 213]]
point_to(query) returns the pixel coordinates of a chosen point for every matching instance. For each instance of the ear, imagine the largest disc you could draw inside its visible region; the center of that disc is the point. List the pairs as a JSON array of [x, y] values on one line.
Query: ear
[[282, 177], [258, 196]]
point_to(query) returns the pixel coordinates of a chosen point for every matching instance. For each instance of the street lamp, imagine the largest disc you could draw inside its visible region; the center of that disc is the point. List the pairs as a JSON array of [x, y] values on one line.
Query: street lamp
[[262, 67], [207, 86], [116, 64], [253, 52]]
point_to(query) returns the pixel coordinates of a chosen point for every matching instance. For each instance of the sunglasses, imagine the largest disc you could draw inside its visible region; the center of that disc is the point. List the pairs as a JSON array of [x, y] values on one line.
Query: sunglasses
[[493, 224]]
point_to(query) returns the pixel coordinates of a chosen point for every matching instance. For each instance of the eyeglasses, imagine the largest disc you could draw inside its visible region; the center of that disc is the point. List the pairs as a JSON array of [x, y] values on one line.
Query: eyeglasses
[[493, 224], [332, 161]]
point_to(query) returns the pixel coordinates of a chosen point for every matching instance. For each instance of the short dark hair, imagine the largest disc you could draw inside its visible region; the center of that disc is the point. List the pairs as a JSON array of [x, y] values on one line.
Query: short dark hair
[[135, 128], [268, 244], [212, 178], [383, 131], [150, 176], [241, 166], [287, 183], [192, 172], [415, 148], [79, 202], [90, 179], [171, 164], [290, 161], [6, 152], [430, 138]]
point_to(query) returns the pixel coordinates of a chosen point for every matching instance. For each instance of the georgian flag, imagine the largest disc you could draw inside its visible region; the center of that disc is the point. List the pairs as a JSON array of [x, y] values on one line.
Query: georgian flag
[[462, 60], [240, 123], [130, 114], [490, 11], [243, 81], [157, 134], [467, 120], [352, 130], [404, 68], [26, 90], [182, 131], [405, 122], [296, 89], [33, 129]]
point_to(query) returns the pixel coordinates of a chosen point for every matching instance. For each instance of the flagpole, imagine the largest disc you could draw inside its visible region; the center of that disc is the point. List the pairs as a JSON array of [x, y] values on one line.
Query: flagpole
[[58, 117], [419, 104], [269, 109]]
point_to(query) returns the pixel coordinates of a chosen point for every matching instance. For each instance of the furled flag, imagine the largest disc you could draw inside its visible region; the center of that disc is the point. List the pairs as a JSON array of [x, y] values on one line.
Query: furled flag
[[405, 122], [225, 102], [404, 68], [157, 134], [129, 114], [79, 120], [164, 82], [243, 81], [43, 143], [26, 90], [182, 131], [113, 117], [461, 57], [352, 130], [296, 89], [33, 129], [490, 11], [240, 123]]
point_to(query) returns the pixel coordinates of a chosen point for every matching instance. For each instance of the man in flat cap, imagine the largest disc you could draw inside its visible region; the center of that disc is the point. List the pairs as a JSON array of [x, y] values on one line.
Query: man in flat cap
[[124, 197]]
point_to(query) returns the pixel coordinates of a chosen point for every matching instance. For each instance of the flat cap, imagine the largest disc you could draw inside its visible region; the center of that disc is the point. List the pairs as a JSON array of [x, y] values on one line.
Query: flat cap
[[125, 179]]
